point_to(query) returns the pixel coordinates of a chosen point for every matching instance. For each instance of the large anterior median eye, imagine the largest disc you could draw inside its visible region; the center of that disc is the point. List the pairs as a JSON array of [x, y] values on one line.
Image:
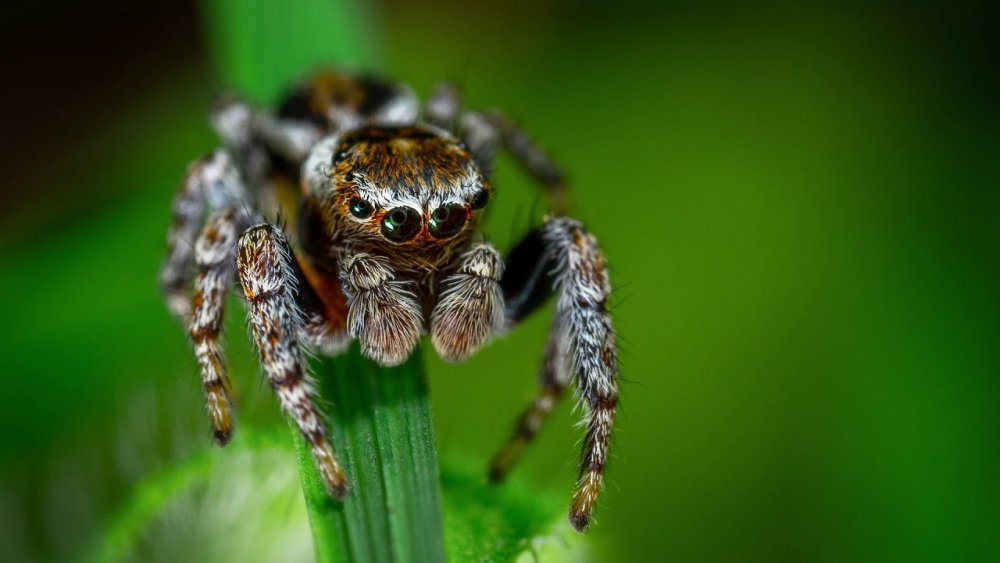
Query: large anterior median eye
[[447, 220], [401, 224]]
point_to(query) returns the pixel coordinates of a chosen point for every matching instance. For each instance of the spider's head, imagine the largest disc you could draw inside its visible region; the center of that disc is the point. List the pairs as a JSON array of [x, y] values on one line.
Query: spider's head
[[407, 186]]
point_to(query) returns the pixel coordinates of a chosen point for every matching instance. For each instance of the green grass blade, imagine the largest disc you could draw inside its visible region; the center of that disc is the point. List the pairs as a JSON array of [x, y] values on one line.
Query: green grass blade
[[383, 435]]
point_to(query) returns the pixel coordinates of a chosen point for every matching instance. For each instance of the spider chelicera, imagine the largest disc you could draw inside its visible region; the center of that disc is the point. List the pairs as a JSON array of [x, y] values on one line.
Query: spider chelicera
[[383, 251]]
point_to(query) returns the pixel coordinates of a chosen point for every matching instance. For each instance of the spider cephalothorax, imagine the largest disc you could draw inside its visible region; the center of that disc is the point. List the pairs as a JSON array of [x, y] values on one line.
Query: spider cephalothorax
[[384, 252], [411, 193]]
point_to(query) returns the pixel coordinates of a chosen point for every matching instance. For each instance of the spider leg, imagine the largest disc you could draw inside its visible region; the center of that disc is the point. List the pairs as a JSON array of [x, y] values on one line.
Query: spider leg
[[245, 130], [482, 139], [265, 266], [383, 314], [483, 132], [562, 256], [470, 308], [212, 182], [443, 106], [214, 259], [291, 139], [528, 152], [233, 120]]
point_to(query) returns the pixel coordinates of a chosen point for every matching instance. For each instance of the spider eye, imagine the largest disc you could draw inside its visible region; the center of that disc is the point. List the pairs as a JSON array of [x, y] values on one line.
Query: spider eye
[[361, 209], [401, 224], [480, 199], [447, 220]]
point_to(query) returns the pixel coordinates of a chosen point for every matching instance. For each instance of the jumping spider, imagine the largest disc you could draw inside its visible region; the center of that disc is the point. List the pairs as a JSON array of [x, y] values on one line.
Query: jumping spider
[[383, 252]]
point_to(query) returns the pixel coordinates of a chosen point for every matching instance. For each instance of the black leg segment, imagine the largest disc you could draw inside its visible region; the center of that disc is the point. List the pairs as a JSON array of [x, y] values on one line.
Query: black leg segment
[[529, 277]]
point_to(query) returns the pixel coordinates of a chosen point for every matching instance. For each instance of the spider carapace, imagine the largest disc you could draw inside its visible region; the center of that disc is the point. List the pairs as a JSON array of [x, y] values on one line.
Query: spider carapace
[[384, 250]]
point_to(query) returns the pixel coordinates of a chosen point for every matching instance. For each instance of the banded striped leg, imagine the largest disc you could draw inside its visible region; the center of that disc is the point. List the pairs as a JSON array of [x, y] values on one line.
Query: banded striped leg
[[265, 267], [480, 135], [233, 119], [483, 131], [470, 309], [526, 150], [564, 257], [176, 271], [214, 258], [212, 182], [482, 139], [584, 288], [443, 106], [534, 158]]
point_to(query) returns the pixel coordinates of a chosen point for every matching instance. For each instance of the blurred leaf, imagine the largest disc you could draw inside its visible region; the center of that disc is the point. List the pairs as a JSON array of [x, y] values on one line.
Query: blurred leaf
[[235, 504]]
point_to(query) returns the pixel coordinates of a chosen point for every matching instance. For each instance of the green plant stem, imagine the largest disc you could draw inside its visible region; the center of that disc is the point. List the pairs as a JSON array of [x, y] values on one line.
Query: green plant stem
[[382, 432]]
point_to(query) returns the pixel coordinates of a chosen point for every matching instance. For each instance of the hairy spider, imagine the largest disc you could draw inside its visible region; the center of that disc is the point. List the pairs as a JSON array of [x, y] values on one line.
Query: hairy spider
[[383, 252]]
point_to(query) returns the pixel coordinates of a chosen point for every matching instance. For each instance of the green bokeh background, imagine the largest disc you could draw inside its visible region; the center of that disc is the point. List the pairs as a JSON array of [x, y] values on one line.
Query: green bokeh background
[[800, 205]]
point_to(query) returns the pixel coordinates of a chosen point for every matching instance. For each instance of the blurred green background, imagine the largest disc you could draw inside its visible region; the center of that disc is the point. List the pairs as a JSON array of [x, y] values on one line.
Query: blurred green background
[[800, 204]]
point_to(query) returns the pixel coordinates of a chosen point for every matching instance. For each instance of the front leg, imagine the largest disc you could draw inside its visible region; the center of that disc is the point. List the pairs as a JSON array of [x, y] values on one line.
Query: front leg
[[214, 258], [266, 272], [382, 313], [471, 307], [563, 257]]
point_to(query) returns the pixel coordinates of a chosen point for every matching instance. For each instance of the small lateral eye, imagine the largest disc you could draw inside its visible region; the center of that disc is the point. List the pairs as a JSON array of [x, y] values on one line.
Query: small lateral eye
[[447, 220], [480, 200], [361, 208]]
